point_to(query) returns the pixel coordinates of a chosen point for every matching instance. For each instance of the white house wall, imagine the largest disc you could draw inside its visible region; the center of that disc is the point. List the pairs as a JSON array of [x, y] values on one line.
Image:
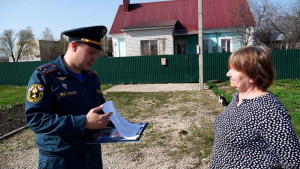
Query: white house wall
[[115, 43], [165, 39], [133, 41]]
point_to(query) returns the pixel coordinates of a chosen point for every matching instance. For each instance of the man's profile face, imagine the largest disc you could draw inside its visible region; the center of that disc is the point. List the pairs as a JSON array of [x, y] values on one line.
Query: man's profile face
[[86, 56]]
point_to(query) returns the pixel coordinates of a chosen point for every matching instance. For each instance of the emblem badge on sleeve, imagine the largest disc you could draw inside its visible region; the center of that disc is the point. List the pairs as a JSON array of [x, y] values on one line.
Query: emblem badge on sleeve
[[35, 93]]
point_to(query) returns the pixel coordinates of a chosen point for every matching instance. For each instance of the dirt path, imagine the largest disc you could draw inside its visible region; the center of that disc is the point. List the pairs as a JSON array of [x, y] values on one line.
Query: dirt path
[[165, 144], [156, 87]]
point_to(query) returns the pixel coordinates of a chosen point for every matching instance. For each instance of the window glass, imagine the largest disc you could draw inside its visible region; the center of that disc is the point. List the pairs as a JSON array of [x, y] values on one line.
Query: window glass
[[225, 44], [153, 47], [181, 46], [205, 46], [149, 47]]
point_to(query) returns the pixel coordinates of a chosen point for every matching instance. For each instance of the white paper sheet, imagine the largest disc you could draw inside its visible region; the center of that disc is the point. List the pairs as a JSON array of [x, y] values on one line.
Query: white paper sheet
[[125, 128]]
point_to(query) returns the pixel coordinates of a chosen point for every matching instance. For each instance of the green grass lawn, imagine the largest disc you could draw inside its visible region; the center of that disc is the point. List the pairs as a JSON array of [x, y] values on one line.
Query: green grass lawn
[[287, 91], [13, 95]]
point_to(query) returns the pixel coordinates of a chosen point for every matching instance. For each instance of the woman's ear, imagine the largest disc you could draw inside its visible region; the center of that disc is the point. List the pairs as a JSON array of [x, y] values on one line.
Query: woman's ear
[[252, 81]]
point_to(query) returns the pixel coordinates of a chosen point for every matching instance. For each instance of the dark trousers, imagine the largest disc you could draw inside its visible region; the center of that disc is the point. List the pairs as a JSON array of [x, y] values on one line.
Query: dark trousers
[[91, 160]]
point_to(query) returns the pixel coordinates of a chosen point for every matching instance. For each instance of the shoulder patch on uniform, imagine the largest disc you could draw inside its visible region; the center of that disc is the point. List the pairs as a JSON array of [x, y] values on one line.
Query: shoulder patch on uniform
[[93, 72], [47, 68], [35, 93]]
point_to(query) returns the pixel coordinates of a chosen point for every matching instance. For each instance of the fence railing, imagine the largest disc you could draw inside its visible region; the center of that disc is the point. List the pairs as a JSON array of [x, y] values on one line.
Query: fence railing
[[149, 69]]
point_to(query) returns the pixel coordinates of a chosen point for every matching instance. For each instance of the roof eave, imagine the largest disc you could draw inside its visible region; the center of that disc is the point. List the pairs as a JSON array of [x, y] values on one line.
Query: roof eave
[[146, 28]]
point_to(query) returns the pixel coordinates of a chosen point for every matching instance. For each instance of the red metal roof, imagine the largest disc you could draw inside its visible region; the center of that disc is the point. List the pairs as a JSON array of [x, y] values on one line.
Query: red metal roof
[[151, 24], [216, 14]]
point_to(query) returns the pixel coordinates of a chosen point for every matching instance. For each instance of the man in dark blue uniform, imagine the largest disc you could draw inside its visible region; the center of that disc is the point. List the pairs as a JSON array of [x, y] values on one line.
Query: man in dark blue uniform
[[63, 102]]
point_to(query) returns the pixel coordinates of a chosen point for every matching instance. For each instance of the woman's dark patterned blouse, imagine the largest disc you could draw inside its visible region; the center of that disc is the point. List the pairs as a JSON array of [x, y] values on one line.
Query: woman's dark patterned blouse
[[256, 134]]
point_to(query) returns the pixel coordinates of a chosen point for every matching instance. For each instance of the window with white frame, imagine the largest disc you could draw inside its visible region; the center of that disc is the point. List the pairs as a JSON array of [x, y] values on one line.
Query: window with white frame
[[149, 47], [225, 45]]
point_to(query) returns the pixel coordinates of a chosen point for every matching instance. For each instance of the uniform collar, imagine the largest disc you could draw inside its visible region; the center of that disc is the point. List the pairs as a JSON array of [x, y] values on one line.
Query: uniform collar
[[60, 64]]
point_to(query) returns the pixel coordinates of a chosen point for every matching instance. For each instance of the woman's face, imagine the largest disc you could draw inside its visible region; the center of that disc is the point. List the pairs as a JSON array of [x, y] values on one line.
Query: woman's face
[[238, 80]]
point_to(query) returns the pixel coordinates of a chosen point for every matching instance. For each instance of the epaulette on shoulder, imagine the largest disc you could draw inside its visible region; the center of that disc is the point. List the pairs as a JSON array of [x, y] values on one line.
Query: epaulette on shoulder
[[93, 72], [47, 68]]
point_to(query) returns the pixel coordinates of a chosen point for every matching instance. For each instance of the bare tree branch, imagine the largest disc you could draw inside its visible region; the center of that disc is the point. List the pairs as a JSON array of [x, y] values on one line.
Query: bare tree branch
[[25, 43], [7, 44], [243, 21], [277, 24]]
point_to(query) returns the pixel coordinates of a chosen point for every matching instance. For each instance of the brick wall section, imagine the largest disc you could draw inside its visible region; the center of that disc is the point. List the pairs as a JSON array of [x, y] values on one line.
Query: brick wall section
[[163, 36]]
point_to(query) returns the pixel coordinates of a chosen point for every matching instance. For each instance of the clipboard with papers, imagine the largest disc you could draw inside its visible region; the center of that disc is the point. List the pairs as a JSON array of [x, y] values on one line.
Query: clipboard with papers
[[121, 131]]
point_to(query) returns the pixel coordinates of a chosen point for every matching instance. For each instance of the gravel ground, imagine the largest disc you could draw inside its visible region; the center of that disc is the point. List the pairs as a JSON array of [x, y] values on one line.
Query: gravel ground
[[18, 154], [155, 87]]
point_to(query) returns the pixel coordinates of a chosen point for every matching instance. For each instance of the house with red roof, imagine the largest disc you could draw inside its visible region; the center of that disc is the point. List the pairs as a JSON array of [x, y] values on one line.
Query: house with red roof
[[171, 27]]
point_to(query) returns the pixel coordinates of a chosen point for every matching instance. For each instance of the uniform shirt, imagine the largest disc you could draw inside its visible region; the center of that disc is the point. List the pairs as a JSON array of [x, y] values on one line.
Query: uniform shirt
[[256, 134], [56, 108]]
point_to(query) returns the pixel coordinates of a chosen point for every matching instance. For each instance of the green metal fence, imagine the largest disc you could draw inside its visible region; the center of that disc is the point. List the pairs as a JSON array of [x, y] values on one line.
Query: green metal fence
[[287, 64], [148, 69], [17, 73]]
